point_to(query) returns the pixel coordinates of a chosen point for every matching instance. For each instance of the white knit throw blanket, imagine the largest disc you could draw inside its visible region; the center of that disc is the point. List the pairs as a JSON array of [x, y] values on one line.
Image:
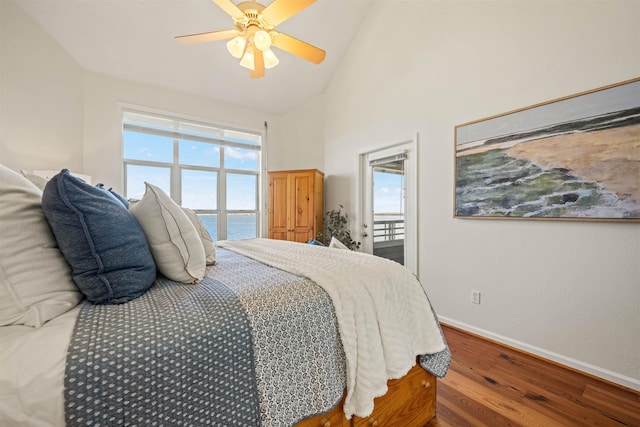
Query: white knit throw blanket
[[383, 313]]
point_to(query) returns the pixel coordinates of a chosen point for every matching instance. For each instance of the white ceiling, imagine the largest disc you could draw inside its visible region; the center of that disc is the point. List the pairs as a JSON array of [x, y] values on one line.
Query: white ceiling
[[134, 40]]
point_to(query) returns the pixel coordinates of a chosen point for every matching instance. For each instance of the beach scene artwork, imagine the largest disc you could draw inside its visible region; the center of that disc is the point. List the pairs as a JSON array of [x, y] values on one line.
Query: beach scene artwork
[[574, 158]]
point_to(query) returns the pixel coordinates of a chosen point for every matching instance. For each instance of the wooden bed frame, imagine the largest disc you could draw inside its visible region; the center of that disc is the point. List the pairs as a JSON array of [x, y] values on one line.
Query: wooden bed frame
[[409, 402]]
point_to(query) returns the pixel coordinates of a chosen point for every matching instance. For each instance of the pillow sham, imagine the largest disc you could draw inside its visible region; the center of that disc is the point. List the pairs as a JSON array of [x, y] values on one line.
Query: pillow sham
[[205, 237], [173, 239], [35, 280], [103, 243]]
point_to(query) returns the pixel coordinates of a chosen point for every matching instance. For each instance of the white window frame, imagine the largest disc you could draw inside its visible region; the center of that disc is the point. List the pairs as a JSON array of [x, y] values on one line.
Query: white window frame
[[176, 168]]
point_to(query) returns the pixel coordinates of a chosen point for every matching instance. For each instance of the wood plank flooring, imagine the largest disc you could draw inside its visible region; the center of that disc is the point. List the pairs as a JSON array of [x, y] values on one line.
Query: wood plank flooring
[[492, 385]]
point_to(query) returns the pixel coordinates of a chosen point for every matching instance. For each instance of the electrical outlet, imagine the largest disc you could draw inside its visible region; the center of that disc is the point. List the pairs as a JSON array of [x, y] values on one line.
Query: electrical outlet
[[475, 297]]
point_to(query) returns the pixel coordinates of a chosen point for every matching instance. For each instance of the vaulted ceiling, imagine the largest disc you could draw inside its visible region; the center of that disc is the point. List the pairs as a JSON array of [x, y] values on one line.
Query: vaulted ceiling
[[134, 40]]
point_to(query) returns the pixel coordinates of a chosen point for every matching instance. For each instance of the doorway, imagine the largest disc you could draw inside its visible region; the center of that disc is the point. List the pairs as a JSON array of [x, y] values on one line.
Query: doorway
[[388, 202], [389, 192]]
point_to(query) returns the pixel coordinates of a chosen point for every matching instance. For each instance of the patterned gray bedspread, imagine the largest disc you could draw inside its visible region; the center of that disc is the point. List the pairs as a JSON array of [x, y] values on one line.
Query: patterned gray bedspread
[[208, 354], [251, 345]]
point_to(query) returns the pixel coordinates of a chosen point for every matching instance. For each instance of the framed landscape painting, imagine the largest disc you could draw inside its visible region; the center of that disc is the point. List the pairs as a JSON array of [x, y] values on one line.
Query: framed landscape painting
[[573, 158]]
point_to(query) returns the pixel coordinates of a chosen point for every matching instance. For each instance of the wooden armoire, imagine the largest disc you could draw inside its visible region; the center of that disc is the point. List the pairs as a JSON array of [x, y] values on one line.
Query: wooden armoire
[[296, 204]]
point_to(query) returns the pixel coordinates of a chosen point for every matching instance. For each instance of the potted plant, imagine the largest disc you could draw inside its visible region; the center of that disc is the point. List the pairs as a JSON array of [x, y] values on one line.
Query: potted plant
[[335, 225]]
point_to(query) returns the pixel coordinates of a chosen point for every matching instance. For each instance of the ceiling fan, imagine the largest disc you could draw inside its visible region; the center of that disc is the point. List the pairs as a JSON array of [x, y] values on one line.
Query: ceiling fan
[[255, 33]]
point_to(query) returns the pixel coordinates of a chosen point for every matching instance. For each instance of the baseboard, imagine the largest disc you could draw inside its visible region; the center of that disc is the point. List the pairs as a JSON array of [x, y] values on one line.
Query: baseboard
[[614, 377]]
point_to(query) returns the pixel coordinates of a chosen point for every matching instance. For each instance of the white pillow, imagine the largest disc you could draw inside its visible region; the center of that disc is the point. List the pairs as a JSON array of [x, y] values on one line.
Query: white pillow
[[41, 177], [35, 279], [335, 243], [205, 237], [174, 241], [39, 181]]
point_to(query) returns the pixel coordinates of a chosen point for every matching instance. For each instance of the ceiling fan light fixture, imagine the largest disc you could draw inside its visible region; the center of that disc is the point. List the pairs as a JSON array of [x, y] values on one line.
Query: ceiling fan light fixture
[[254, 34], [262, 40], [247, 59], [236, 46], [270, 59]]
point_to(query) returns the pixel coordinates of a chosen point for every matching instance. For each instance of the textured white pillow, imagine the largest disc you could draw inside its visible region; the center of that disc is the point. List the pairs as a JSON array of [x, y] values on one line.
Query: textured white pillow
[[335, 243], [35, 279], [205, 237], [174, 241]]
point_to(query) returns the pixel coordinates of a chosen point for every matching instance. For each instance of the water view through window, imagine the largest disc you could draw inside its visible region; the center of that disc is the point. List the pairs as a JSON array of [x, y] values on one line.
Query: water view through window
[[239, 226], [388, 211], [211, 170]]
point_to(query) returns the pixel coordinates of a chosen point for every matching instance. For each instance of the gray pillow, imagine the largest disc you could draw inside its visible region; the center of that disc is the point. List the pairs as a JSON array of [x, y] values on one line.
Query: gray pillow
[[102, 242]]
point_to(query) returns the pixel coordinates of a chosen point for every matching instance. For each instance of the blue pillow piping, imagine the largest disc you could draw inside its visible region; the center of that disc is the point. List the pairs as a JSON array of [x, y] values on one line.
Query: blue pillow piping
[[83, 223]]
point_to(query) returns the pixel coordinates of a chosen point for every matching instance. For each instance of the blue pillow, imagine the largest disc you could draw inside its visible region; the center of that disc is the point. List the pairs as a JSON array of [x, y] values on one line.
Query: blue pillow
[[102, 242], [119, 197], [315, 242]]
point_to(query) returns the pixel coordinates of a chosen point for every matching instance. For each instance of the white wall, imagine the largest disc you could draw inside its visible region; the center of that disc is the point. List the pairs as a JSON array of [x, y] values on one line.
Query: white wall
[[104, 96], [302, 138], [54, 114], [569, 291], [40, 97]]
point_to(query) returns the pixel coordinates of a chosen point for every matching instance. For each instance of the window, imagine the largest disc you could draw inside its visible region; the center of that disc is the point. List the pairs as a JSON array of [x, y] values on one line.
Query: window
[[211, 169]]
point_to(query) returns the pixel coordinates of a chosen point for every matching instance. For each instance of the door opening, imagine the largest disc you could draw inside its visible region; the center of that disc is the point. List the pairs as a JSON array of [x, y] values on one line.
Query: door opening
[[388, 202], [388, 209]]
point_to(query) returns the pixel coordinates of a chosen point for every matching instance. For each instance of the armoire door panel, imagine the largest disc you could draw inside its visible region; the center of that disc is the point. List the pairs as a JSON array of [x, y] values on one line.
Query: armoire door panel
[[296, 204], [278, 208], [302, 208]]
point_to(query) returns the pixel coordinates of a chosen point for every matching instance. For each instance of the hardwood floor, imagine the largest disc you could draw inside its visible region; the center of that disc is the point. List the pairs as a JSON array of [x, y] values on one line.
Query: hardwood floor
[[491, 385]]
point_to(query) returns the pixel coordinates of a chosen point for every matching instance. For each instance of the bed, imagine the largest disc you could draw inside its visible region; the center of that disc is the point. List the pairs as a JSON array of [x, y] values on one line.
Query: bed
[[273, 334]]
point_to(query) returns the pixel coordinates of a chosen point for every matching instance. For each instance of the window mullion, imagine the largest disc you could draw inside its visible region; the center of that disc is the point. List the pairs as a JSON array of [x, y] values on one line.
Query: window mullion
[[222, 200], [176, 171], [222, 197], [234, 144], [180, 135]]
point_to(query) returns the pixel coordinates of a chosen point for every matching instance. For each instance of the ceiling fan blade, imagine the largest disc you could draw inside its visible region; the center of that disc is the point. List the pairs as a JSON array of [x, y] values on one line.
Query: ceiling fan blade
[[298, 47], [258, 64], [207, 37], [281, 10], [230, 7]]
